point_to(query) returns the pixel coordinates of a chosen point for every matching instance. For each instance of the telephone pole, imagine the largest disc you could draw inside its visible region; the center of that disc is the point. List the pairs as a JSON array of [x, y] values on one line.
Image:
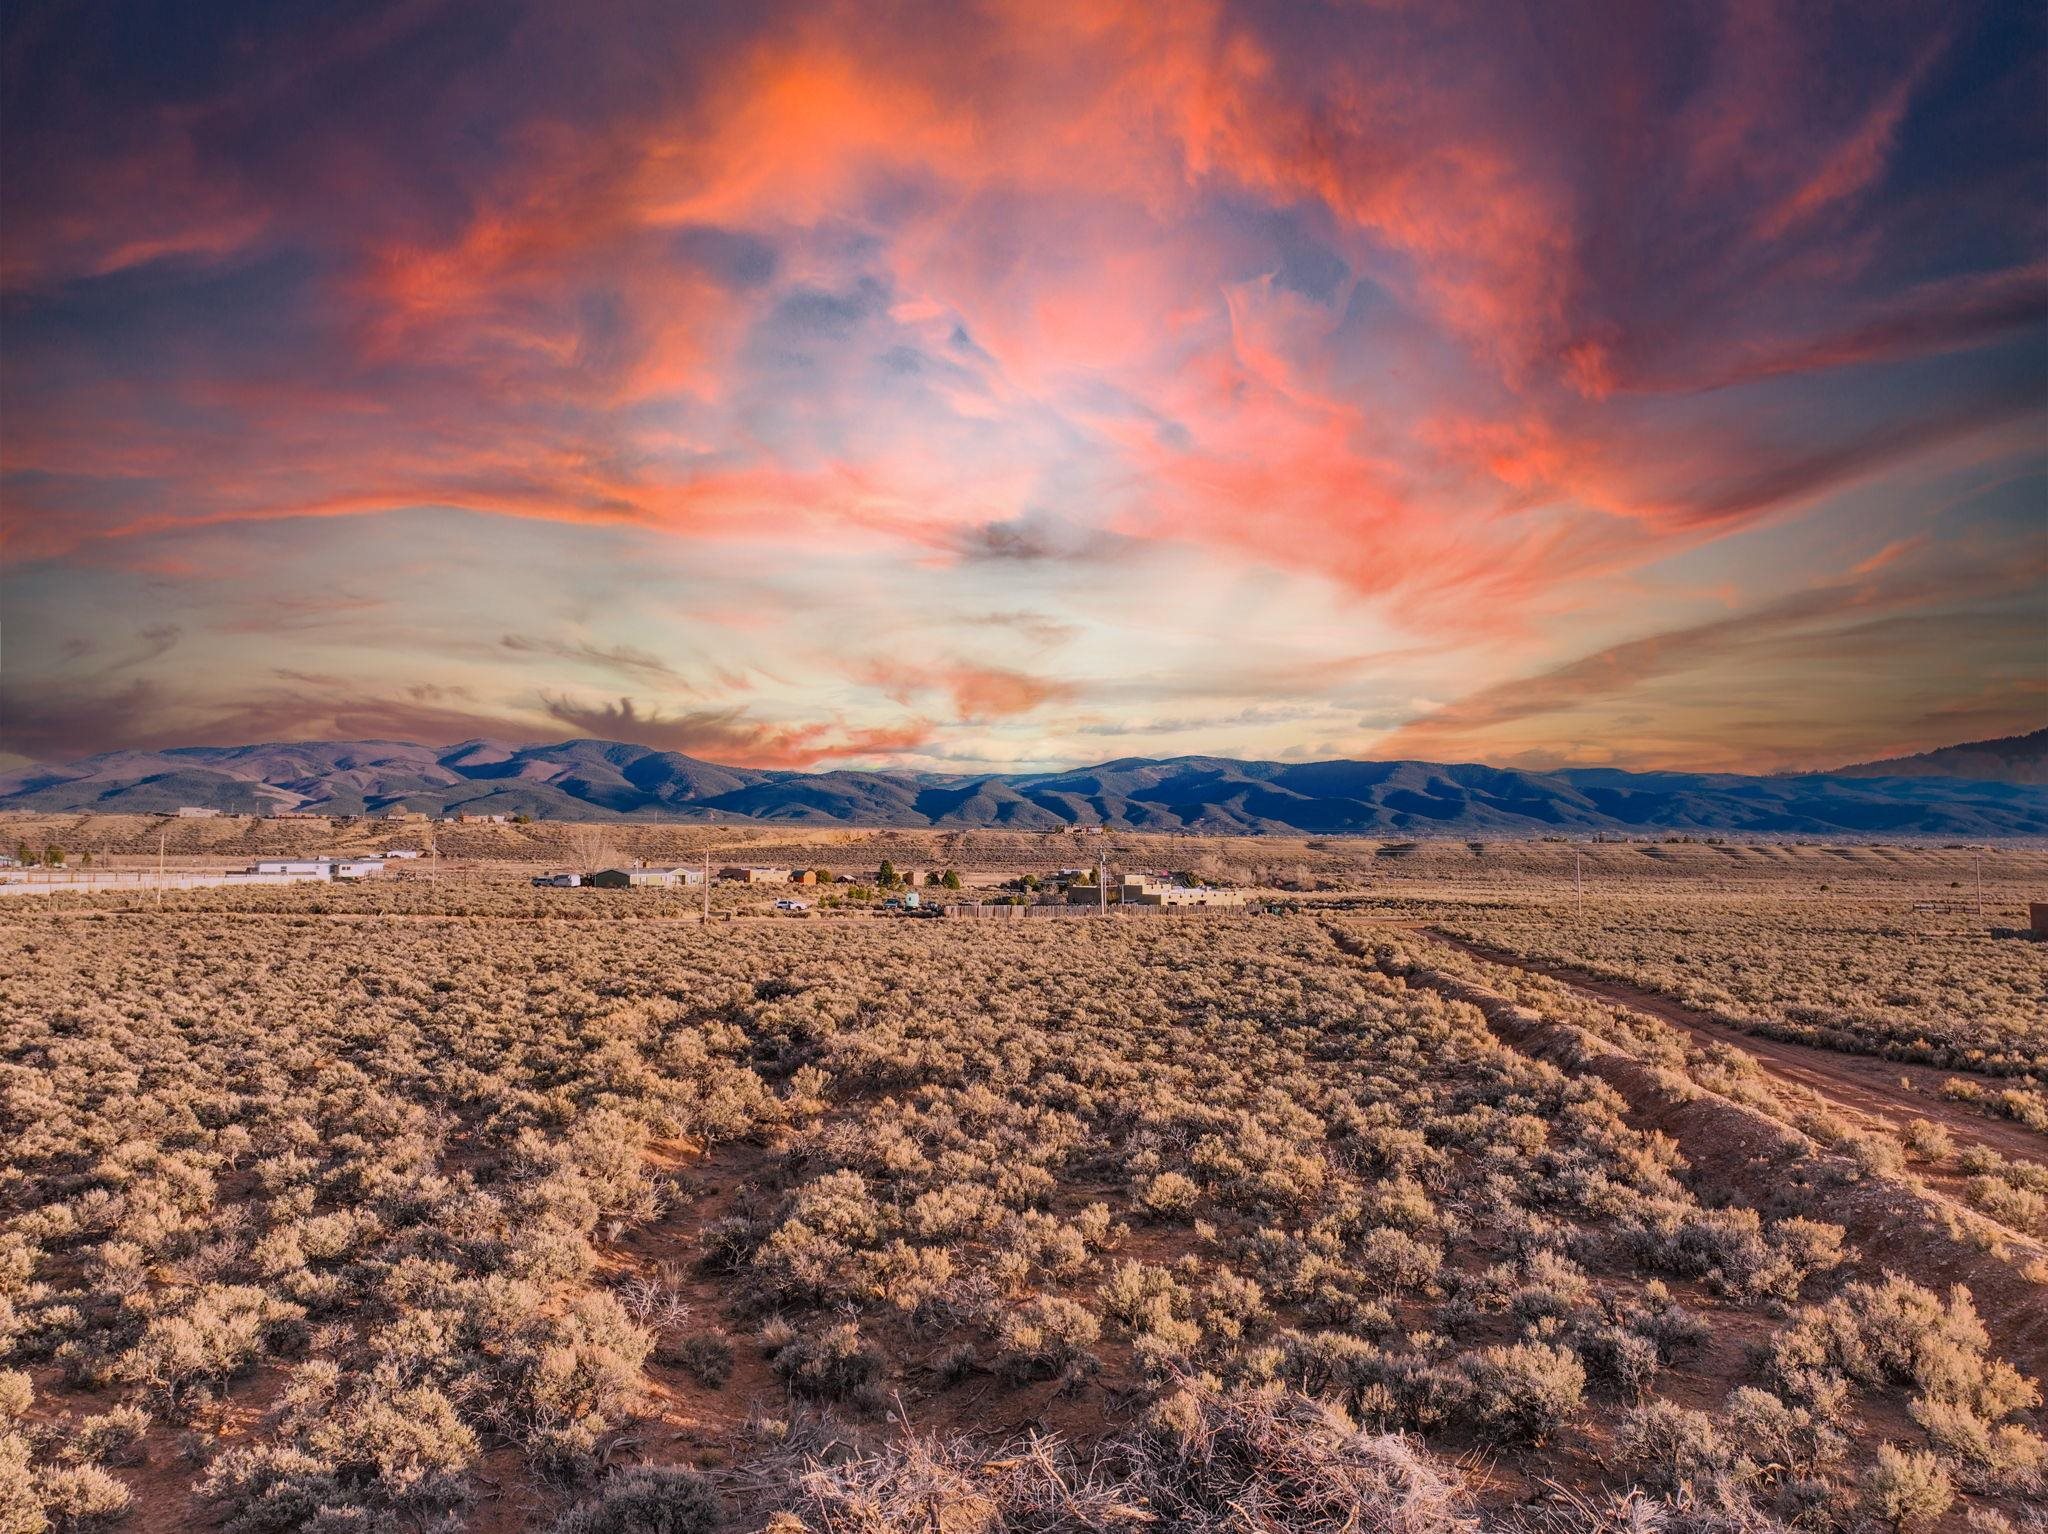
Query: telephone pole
[[1980, 884], [1578, 885], [1102, 883], [163, 837], [707, 883]]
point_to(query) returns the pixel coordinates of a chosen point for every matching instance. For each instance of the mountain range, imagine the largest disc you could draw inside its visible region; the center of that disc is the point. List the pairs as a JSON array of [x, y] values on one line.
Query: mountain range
[[605, 780], [2014, 759]]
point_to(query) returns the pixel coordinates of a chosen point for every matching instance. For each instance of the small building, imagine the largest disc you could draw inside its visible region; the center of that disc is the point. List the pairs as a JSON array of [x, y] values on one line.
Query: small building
[[401, 852], [804, 876], [197, 812], [1138, 889], [400, 812], [752, 875], [641, 878], [557, 881], [318, 868], [2037, 917], [297, 868], [473, 818]]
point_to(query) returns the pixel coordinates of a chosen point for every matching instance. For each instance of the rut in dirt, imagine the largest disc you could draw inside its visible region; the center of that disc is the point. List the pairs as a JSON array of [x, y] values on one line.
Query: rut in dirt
[[1861, 1087]]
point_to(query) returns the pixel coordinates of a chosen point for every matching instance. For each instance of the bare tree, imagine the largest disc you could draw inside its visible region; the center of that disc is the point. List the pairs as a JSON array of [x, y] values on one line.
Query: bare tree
[[592, 846]]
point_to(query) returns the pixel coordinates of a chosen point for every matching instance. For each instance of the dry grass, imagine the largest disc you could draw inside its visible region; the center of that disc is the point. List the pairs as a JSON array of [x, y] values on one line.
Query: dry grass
[[1197, 1225]]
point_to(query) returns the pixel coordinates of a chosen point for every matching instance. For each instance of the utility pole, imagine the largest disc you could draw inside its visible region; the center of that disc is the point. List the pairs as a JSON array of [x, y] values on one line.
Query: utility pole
[[1102, 883], [1578, 885], [707, 883], [1980, 884], [163, 837]]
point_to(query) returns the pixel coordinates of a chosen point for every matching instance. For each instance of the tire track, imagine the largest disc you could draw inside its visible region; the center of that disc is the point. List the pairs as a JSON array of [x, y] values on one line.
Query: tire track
[[1864, 1088]]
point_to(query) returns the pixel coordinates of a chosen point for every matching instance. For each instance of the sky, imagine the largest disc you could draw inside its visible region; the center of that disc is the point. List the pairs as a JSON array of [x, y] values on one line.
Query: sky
[[1007, 385]]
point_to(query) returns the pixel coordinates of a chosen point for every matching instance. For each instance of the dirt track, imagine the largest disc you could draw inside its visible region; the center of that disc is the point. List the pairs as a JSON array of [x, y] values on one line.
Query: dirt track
[[1878, 1093]]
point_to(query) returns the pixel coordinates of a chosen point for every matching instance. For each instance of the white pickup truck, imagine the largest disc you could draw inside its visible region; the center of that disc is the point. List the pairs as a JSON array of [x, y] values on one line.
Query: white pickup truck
[[798, 906]]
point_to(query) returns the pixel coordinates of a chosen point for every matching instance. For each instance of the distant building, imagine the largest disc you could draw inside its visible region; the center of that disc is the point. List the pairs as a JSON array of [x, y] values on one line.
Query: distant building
[[473, 818], [401, 852], [400, 812], [557, 881], [804, 876], [196, 812], [752, 875], [290, 815], [319, 868], [301, 868], [640, 878], [1140, 889], [2037, 917]]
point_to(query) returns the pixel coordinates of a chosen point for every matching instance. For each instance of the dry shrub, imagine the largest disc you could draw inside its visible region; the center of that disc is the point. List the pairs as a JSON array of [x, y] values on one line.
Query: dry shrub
[[78, 1499], [645, 1500], [1524, 1392], [1206, 1462], [836, 1364], [1906, 1488]]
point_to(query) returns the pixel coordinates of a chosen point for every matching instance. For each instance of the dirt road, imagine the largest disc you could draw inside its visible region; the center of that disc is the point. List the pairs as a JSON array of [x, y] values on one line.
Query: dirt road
[[1873, 1092]]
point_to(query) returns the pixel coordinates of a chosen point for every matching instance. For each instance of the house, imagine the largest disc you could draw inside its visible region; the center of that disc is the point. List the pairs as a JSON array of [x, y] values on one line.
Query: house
[[401, 852], [752, 875], [1143, 889], [635, 878], [297, 868], [804, 876], [318, 868], [197, 812], [400, 812], [473, 818]]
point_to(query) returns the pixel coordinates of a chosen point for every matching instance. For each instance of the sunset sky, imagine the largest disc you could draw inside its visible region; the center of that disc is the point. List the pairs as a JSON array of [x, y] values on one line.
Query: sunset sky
[[1020, 384]]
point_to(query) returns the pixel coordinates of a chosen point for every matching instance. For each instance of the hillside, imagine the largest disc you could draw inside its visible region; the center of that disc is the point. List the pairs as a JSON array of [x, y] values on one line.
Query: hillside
[[604, 780], [2015, 759]]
